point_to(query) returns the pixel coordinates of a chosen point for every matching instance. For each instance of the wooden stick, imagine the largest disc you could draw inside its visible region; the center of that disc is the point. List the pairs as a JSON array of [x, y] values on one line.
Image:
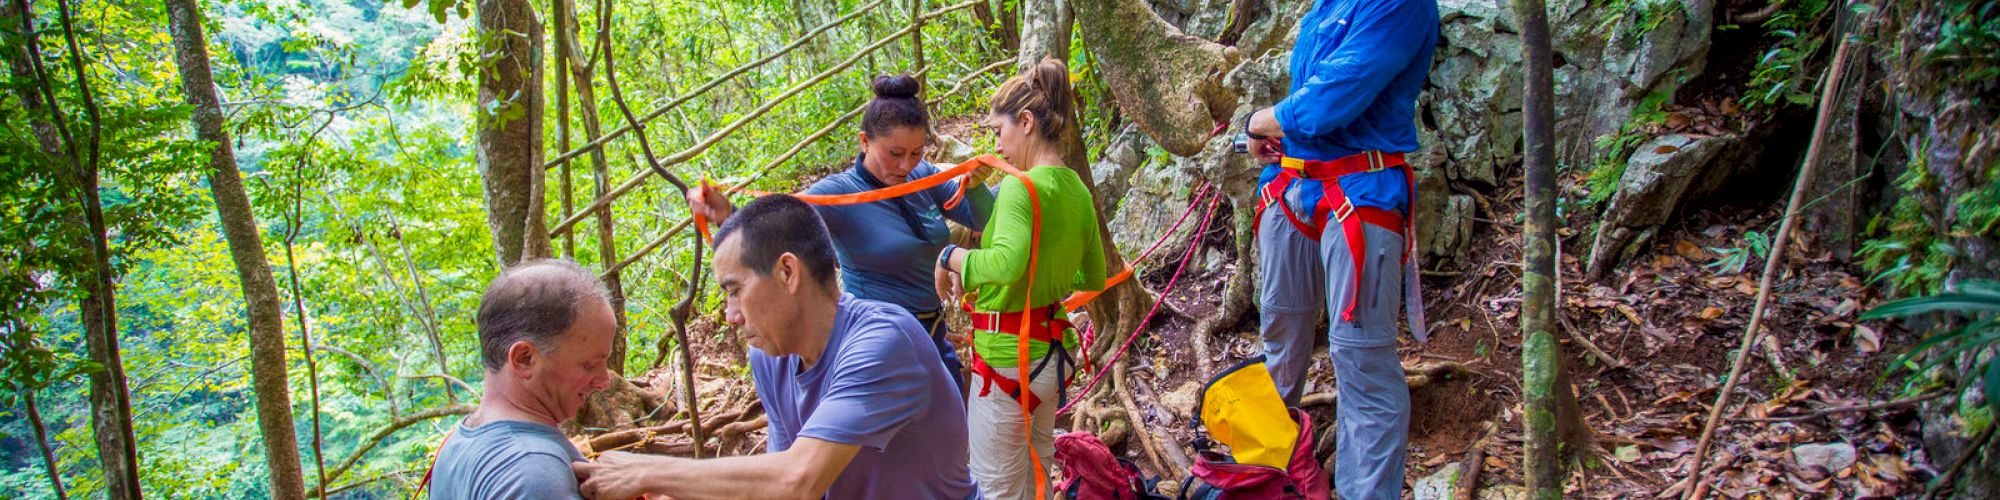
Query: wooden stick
[[1799, 186], [1475, 459], [1943, 482], [724, 132], [1588, 346], [1844, 409], [705, 87]]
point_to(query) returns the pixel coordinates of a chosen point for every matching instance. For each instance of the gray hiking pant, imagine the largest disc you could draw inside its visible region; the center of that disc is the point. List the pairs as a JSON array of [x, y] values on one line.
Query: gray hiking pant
[[1303, 278]]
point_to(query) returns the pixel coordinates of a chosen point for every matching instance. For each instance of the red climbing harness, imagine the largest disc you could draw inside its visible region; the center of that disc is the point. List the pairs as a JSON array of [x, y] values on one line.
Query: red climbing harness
[[1335, 204], [1049, 328]]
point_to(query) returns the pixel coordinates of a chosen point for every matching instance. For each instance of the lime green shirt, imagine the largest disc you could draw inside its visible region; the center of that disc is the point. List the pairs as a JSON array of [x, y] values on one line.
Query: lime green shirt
[[1071, 257]]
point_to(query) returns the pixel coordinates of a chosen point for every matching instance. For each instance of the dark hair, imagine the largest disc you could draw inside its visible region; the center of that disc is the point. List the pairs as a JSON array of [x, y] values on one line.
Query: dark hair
[[776, 224], [533, 301], [896, 105], [1042, 91]]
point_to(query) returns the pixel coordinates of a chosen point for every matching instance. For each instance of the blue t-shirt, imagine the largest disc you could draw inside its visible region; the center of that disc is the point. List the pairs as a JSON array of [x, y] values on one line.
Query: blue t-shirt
[[1356, 72], [505, 459], [881, 258], [878, 385]]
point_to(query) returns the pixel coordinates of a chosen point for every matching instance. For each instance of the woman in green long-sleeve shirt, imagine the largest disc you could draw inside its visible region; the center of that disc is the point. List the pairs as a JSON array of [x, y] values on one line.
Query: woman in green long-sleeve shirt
[[1031, 110]]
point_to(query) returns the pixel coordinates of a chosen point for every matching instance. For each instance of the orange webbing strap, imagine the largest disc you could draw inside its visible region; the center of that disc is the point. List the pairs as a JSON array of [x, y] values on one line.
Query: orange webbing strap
[[1021, 343], [426, 482], [873, 195]]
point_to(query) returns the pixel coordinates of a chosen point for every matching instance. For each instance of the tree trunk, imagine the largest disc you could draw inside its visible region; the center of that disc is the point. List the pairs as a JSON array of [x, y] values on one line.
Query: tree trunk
[[110, 403], [1555, 427], [510, 129], [246, 247], [1047, 34], [600, 171], [1168, 82]]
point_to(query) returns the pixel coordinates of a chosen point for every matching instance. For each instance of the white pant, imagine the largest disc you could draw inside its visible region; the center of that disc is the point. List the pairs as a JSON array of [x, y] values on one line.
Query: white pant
[[1000, 462]]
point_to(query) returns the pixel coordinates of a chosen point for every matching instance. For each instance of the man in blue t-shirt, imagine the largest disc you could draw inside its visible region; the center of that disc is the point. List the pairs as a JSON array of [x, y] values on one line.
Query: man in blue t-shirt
[[1337, 235], [545, 332], [859, 404]]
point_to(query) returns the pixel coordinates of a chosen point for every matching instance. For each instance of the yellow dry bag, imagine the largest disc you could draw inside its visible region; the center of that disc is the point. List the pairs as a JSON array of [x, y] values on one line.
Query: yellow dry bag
[[1242, 409]]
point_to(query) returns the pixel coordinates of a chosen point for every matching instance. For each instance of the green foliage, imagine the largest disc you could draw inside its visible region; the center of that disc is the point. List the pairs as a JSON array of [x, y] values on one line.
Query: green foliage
[[1977, 303], [1638, 17], [1968, 44], [1781, 75], [1912, 249], [1733, 259], [353, 123], [1614, 150]]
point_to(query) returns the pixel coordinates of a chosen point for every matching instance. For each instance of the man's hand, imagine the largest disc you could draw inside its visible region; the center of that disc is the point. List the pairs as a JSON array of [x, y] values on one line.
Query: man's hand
[[617, 476], [708, 202], [1268, 149]]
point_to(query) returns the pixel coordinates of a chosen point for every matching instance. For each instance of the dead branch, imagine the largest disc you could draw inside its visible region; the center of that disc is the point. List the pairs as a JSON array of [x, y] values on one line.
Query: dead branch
[[1824, 121], [369, 442], [1588, 346], [1416, 376], [1475, 459], [1845, 409], [1944, 481]]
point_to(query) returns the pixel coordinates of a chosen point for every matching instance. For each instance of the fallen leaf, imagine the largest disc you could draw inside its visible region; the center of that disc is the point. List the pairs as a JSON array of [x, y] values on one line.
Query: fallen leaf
[[1665, 149], [1496, 462], [1711, 313], [1845, 308], [1866, 340], [1630, 314], [1690, 251]]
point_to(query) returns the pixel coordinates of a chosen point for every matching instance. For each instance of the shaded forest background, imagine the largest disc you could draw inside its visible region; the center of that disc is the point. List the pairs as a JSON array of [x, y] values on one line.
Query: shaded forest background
[[355, 125]]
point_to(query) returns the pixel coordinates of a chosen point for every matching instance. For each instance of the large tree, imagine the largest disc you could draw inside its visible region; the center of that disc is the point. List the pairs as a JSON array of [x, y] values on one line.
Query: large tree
[[76, 168], [510, 128], [246, 248]]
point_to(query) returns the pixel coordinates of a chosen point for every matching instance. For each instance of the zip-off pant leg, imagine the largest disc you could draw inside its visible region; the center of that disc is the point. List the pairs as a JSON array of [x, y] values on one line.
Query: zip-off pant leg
[[1374, 404], [1290, 298]]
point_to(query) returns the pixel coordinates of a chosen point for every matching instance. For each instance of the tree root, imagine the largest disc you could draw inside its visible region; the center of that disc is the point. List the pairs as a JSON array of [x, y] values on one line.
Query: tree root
[[1417, 376], [1118, 386]]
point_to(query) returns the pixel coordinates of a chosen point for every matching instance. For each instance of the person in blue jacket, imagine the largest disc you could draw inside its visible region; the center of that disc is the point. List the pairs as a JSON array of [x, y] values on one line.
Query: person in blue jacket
[[887, 248], [1340, 236]]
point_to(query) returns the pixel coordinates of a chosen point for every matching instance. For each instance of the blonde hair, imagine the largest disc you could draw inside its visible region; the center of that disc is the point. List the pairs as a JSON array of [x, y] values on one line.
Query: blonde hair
[[1043, 91]]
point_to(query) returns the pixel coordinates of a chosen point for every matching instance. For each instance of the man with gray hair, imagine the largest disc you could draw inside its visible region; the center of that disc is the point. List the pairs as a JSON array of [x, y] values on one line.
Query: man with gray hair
[[545, 332]]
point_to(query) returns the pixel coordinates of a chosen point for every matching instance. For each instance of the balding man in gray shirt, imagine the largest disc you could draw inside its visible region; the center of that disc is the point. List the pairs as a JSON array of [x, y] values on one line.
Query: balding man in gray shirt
[[545, 332]]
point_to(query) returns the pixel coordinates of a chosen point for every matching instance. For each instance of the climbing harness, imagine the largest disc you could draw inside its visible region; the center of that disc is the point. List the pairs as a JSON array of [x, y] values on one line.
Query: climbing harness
[[1331, 204]]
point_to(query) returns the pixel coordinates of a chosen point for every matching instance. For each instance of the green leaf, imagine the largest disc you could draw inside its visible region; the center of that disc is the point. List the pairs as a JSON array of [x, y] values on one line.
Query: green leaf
[[1993, 386], [1948, 302]]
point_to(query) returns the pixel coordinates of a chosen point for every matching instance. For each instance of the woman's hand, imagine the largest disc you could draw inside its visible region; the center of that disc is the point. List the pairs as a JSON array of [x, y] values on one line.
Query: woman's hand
[[949, 288], [708, 202]]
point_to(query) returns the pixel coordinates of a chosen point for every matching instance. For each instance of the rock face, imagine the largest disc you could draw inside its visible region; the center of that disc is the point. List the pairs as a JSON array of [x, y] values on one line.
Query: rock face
[[1656, 179], [1610, 59]]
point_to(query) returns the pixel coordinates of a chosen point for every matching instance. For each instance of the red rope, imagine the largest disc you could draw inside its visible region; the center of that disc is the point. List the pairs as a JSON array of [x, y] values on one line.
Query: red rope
[[1193, 244]]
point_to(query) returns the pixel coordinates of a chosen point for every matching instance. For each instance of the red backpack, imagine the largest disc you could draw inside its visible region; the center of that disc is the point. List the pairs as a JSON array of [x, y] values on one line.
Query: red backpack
[[1222, 478], [1247, 407], [1091, 472]]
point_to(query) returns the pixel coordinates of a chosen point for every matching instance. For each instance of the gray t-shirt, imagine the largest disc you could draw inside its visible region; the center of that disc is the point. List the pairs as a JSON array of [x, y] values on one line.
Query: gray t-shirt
[[505, 459]]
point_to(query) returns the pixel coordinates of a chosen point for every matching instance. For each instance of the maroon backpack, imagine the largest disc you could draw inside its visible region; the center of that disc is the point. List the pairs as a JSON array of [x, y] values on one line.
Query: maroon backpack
[[1091, 472], [1222, 478]]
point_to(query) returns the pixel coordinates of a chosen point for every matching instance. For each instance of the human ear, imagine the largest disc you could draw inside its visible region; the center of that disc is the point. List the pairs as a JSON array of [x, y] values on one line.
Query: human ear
[[522, 356]]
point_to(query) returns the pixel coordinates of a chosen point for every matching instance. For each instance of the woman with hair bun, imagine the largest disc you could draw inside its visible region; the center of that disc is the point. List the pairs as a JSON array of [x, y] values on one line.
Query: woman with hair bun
[[886, 248], [1033, 111]]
